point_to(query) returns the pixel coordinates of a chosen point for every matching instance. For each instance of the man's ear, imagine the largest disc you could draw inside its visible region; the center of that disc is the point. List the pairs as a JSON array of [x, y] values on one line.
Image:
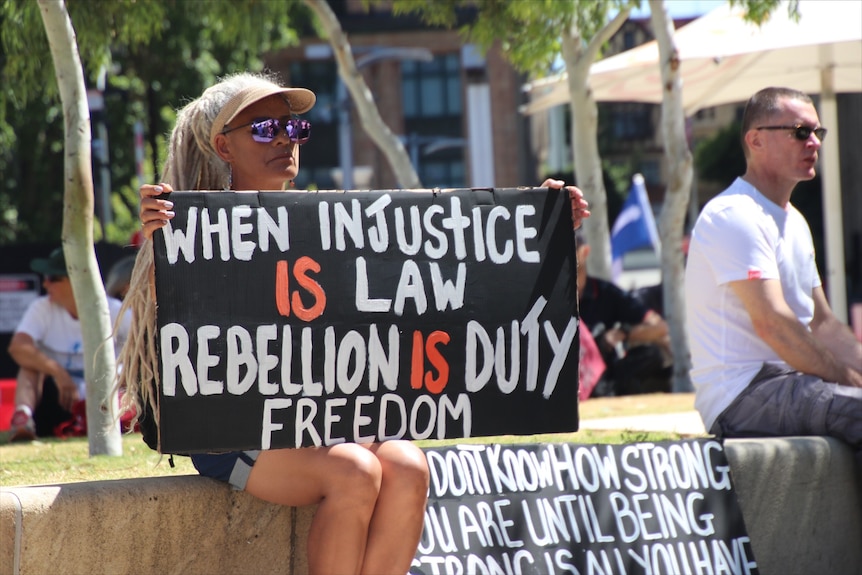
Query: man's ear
[[222, 148], [754, 139]]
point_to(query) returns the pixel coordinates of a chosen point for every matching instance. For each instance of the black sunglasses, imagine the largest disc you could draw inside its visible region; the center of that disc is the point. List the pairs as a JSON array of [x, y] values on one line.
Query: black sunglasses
[[54, 278], [265, 130], [801, 133]]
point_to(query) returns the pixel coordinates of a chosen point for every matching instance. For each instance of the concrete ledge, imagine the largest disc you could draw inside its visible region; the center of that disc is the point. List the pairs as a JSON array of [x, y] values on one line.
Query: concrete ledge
[[800, 498], [801, 501], [162, 525]]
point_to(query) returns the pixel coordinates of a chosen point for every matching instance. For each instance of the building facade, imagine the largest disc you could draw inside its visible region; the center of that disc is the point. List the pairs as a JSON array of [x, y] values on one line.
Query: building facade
[[456, 111]]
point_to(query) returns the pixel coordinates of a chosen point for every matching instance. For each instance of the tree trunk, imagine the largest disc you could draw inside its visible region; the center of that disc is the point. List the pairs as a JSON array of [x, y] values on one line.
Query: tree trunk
[[103, 427], [585, 147], [672, 218], [369, 116]]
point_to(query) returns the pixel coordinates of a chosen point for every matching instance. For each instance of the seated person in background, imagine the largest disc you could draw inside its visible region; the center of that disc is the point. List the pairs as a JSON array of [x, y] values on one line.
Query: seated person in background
[[653, 296], [117, 282], [633, 339], [49, 349], [769, 357]]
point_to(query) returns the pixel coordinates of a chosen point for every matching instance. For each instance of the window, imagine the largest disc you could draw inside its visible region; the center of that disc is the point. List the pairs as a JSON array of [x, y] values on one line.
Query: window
[[705, 114], [631, 122], [651, 171], [319, 76], [433, 113], [320, 154], [432, 89]]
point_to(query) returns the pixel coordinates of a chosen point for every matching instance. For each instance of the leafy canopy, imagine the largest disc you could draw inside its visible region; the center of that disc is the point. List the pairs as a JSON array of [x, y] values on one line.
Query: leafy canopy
[[529, 31], [158, 54]]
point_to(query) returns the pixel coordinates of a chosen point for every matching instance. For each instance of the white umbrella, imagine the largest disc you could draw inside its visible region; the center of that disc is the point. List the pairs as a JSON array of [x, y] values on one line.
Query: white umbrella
[[725, 59]]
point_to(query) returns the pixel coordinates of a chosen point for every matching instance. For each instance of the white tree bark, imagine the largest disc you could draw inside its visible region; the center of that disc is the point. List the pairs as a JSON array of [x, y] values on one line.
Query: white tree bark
[[585, 148], [672, 218], [366, 108], [103, 427]]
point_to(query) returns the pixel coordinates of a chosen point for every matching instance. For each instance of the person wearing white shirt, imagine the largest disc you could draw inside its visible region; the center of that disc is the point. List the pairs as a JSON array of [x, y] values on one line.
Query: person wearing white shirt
[[769, 356], [48, 347]]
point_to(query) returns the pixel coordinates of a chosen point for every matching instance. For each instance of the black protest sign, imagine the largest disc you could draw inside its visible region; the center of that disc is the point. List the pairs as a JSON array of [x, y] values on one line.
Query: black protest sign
[[548, 509], [289, 319]]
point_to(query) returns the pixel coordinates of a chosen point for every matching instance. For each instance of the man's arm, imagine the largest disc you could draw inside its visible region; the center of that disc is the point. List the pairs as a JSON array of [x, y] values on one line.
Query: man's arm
[[833, 334], [653, 329], [775, 323]]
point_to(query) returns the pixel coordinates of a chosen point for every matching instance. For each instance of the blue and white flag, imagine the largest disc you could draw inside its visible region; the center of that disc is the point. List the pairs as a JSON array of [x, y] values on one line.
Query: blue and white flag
[[634, 227]]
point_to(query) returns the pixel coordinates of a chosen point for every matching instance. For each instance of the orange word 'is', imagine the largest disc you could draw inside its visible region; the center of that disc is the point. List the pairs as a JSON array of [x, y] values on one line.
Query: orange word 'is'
[[286, 301], [431, 350]]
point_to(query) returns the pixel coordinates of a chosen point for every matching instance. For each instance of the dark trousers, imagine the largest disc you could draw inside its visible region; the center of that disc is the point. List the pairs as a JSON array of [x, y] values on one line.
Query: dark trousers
[[782, 402], [49, 413]]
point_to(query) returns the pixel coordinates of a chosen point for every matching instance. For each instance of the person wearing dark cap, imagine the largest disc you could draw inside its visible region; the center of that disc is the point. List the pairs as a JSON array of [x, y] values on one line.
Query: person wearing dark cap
[[48, 347]]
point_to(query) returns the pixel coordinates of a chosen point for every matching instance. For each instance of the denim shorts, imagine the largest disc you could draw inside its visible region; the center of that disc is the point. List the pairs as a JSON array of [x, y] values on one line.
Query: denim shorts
[[783, 402], [233, 467]]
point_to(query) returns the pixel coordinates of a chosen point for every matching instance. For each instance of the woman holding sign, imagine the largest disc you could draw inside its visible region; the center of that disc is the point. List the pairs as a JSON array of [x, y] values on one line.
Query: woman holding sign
[[242, 134]]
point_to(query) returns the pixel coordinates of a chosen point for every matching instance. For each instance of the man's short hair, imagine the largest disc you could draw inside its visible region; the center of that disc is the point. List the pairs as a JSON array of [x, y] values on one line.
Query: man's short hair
[[765, 104]]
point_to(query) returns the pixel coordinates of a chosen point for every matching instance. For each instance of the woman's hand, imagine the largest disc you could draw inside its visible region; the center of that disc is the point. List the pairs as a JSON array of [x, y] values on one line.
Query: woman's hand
[[580, 207], [154, 213]]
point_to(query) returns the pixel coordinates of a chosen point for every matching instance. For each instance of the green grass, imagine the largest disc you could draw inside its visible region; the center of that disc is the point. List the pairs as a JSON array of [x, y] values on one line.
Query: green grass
[[50, 461]]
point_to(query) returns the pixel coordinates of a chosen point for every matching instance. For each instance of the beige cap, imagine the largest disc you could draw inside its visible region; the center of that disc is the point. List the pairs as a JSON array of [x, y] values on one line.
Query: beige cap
[[299, 99]]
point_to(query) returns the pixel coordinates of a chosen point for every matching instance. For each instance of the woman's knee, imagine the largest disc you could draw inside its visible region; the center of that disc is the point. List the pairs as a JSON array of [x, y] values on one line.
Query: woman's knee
[[405, 463], [356, 469]]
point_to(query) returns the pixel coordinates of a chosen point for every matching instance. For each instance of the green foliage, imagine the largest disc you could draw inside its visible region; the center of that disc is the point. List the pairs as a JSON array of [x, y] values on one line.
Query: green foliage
[[28, 69], [158, 54], [759, 11], [528, 31], [124, 206], [720, 158]]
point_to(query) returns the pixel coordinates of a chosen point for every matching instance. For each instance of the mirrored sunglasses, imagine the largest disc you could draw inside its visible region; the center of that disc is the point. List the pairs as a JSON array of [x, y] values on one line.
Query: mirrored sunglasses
[[265, 130], [801, 133]]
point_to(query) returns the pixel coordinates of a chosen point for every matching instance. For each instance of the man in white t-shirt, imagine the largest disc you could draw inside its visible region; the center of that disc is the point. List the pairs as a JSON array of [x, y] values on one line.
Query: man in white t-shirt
[[769, 356], [49, 350]]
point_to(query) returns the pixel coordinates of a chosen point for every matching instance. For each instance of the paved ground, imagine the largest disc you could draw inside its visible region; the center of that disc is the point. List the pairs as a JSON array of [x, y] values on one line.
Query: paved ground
[[684, 423], [656, 412]]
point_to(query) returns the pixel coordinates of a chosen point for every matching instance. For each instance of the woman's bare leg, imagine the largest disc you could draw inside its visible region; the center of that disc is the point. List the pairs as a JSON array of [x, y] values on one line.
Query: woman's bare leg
[[399, 515], [343, 479]]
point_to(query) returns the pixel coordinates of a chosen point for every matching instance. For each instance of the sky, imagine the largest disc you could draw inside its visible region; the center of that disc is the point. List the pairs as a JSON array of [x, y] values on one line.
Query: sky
[[677, 9], [681, 8]]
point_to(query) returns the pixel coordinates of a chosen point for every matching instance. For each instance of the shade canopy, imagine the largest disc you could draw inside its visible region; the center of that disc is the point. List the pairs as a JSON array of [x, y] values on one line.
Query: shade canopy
[[725, 59]]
